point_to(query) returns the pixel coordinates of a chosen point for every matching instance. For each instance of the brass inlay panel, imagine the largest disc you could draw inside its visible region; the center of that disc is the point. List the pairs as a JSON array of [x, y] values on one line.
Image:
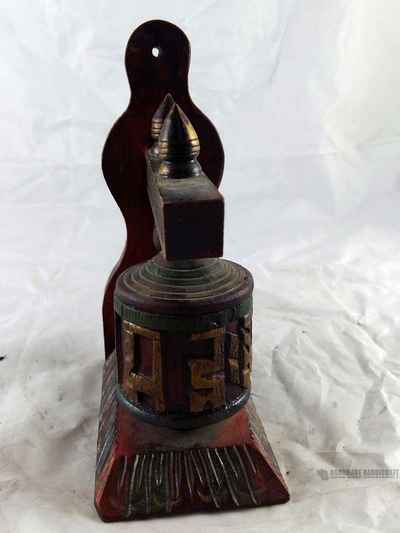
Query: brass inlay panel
[[133, 382], [240, 353], [245, 332], [207, 375]]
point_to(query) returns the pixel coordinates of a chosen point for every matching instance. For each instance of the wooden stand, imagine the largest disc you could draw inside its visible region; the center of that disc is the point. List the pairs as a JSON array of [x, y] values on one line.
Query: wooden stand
[[143, 470]]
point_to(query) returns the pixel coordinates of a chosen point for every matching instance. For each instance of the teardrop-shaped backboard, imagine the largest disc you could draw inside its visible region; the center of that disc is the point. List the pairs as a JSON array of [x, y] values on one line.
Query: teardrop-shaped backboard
[[157, 62]]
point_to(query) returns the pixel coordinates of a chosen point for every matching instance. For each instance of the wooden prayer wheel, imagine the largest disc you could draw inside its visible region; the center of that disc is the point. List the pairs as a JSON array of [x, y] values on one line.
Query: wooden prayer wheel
[[178, 431]]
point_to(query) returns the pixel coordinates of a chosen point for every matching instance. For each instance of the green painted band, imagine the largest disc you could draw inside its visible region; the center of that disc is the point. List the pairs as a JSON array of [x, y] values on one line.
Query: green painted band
[[186, 323]]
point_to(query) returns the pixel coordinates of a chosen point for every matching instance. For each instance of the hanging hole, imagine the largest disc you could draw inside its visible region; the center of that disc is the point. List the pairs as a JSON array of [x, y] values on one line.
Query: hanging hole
[[155, 51]]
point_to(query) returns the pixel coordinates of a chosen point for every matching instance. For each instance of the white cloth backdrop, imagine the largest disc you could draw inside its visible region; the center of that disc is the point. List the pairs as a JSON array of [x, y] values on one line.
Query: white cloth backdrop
[[306, 97]]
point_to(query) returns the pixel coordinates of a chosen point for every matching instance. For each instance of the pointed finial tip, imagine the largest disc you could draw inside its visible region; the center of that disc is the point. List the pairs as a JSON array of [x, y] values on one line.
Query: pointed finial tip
[[160, 114], [178, 138]]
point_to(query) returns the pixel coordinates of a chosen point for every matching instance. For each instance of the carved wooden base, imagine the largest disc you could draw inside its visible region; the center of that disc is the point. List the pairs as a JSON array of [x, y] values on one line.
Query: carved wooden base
[[144, 470]]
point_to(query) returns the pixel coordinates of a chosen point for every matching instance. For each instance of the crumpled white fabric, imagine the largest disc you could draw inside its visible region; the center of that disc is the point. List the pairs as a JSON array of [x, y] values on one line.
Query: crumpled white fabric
[[306, 98]]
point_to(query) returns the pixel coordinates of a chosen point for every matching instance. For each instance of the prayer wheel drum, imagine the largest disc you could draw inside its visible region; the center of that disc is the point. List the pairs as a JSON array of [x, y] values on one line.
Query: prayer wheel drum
[[183, 340]]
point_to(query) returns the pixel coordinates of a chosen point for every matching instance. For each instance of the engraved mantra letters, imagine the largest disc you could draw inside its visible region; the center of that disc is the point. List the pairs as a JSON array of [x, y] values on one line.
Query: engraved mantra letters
[[240, 353], [229, 361], [207, 375], [134, 382]]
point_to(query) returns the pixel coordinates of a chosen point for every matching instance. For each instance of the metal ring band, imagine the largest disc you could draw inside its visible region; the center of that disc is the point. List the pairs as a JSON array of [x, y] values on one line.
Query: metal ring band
[[183, 420], [175, 323]]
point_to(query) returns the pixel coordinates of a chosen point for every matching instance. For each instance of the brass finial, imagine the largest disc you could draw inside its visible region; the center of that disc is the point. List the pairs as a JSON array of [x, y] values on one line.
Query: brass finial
[[178, 139], [178, 146], [159, 116]]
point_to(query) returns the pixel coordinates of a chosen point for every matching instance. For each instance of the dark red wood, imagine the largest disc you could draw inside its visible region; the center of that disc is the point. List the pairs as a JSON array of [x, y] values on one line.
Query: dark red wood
[[123, 162]]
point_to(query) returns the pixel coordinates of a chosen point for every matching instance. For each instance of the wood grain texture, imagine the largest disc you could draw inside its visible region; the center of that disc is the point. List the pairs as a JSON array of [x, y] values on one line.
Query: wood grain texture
[[123, 161]]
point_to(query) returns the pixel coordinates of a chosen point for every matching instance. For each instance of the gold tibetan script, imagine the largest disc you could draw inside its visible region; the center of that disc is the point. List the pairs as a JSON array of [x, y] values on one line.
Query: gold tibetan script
[[240, 357], [134, 382], [207, 375]]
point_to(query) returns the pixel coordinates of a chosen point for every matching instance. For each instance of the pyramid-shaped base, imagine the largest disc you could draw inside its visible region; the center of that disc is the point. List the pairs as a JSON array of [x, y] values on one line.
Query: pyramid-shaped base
[[145, 470]]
